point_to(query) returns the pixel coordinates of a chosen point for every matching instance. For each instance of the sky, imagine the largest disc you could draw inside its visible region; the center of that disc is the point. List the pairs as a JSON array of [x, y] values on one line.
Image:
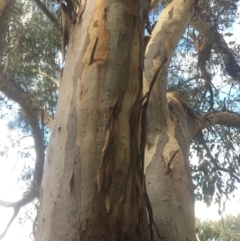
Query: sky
[[10, 187]]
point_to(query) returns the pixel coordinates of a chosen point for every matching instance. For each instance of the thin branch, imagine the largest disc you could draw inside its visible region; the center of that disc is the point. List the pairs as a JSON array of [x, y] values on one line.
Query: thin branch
[[219, 168], [11, 52], [55, 81], [213, 39], [16, 207], [34, 226], [203, 47], [51, 17], [191, 79], [15, 213]]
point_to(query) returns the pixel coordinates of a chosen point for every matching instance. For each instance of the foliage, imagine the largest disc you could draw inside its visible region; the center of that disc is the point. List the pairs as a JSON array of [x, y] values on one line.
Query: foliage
[[32, 47], [226, 229]]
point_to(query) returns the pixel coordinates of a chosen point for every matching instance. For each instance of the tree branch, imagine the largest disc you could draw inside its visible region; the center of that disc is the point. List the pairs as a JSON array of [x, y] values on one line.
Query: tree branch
[[153, 4], [213, 39], [51, 17], [203, 46], [18, 42], [16, 207], [6, 8], [15, 213], [55, 81], [205, 120], [12, 91]]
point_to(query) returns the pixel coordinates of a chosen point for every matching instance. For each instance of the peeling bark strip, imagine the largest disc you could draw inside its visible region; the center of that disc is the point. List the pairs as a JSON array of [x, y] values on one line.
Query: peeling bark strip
[[80, 8], [99, 116]]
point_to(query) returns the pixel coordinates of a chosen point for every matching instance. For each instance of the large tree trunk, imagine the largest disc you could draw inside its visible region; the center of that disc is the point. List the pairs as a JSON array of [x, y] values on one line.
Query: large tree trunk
[[92, 184], [93, 181], [168, 179]]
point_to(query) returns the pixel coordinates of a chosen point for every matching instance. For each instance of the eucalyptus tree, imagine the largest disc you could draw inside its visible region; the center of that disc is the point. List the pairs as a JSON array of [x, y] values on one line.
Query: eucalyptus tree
[[129, 107]]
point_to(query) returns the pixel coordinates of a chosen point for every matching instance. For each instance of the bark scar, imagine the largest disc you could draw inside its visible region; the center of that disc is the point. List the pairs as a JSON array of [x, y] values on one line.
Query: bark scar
[[170, 162], [91, 59], [105, 11], [170, 13], [70, 182]]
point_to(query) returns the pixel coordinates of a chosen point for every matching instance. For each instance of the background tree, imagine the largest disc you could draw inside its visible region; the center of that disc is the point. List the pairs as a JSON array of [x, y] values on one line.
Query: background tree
[[222, 230], [117, 166]]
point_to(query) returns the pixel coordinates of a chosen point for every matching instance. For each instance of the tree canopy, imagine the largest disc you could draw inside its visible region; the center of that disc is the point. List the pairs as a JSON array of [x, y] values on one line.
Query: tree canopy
[[204, 74]]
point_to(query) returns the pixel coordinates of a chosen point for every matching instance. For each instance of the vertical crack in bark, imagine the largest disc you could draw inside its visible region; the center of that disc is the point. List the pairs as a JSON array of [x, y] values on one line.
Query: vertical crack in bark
[[103, 175]]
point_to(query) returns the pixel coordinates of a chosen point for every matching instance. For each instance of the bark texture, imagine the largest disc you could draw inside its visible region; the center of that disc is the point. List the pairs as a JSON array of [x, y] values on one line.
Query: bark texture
[[93, 180]]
